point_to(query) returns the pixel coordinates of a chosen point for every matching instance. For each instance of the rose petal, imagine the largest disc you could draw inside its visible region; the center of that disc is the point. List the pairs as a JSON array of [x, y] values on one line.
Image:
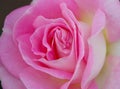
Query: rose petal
[[42, 21], [99, 22], [8, 81], [97, 52], [10, 56], [88, 5], [93, 85], [36, 42], [109, 76], [114, 49], [112, 11], [97, 49], [12, 18], [66, 63], [34, 79]]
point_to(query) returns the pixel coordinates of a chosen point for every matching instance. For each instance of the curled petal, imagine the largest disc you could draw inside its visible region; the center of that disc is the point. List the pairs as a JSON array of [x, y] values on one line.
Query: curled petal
[[114, 49], [96, 59]]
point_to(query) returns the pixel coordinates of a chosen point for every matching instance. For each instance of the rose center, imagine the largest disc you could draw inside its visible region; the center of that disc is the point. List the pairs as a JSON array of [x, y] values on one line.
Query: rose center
[[60, 41]]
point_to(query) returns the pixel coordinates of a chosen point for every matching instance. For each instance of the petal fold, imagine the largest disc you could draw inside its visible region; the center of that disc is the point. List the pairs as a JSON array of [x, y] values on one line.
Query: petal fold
[[34, 79]]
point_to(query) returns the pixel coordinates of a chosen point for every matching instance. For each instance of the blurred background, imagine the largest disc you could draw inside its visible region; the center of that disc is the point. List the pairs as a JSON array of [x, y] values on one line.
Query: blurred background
[[6, 6]]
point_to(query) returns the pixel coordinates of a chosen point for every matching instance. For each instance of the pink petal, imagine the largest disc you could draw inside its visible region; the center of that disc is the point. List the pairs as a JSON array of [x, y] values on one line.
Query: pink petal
[[36, 42], [112, 11], [34, 79], [10, 56], [99, 22], [114, 48], [41, 21], [97, 49], [12, 18], [109, 76], [87, 5], [93, 85], [66, 63], [97, 52], [8, 81], [78, 71]]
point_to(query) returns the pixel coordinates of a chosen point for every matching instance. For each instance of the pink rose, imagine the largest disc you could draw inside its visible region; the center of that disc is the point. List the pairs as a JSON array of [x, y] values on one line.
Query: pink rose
[[62, 44]]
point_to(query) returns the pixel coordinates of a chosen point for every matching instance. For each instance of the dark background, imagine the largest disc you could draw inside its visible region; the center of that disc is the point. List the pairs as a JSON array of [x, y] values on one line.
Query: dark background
[[6, 6]]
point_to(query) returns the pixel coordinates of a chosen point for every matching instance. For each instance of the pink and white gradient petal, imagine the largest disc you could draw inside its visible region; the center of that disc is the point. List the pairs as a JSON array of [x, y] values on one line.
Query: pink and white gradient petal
[[88, 5], [111, 9], [109, 76], [97, 50]]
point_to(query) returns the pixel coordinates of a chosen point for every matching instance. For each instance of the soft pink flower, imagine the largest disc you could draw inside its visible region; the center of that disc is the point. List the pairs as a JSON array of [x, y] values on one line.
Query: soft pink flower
[[62, 44]]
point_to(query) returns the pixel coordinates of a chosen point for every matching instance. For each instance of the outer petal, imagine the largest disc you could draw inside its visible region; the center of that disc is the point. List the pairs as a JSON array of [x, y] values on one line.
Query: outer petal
[[8, 81], [99, 22], [109, 76], [112, 11], [97, 50], [12, 18], [114, 49], [10, 56], [87, 5], [87, 9], [34, 79]]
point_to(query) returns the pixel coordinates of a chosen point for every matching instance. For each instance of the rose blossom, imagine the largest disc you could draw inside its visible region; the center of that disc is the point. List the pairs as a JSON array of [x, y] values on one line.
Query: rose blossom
[[62, 44]]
